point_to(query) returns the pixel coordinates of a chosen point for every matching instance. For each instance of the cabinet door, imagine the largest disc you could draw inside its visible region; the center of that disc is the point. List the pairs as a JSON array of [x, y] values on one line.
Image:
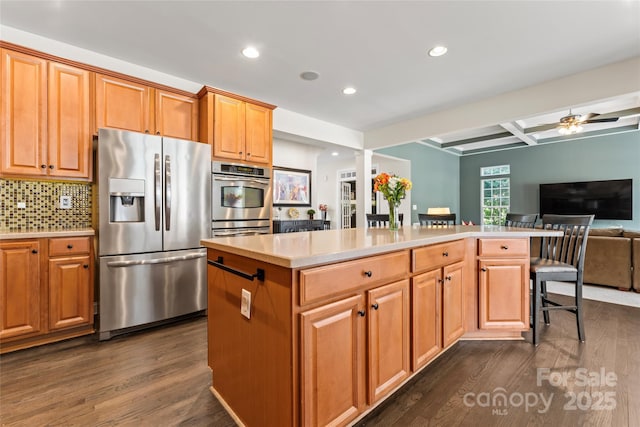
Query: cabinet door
[[122, 104], [69, 147], [426, 291], [23, 110], [452, 303], [69, 292], [504, 294], [20, 303], [229, 128], [258, 133], [388, 338], [332, 362], [176, 116]]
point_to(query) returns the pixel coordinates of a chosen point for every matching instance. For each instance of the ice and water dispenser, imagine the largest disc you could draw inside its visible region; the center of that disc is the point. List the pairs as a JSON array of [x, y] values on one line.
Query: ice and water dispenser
[[126, 200]]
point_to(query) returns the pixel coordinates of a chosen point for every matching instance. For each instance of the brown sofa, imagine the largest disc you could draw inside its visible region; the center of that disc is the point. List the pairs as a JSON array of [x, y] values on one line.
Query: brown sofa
[[612, 258]]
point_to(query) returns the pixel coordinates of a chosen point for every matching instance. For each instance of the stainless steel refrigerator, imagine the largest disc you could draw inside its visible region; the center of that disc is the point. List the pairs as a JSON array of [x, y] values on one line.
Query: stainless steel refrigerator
[[154, 206]]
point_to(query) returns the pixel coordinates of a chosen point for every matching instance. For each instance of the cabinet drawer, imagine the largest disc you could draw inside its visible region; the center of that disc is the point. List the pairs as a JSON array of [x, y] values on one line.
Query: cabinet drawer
[[68, 246], [322, 282], [503, 247], [434, 256]]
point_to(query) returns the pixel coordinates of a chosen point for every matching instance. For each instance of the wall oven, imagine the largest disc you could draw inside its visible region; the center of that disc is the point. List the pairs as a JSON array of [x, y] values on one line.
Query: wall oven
[[241, 199]]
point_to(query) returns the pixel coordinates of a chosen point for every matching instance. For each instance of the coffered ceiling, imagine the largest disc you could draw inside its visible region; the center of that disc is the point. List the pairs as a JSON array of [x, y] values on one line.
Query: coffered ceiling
[[378, 47]]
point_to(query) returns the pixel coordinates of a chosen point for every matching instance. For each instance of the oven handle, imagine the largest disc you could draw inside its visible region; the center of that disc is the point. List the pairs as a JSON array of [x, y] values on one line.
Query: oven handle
[[256, 180], [239, 233]]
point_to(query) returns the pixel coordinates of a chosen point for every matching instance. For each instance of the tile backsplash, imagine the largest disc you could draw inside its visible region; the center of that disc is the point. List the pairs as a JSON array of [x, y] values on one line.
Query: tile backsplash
[[42, 205]]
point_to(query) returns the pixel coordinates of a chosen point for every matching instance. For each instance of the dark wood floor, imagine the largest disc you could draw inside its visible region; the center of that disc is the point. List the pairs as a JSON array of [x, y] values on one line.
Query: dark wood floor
[[159, 378]]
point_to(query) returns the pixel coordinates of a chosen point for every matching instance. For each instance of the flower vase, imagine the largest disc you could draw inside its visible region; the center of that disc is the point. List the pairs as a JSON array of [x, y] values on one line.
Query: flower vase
[[324, 215], [393, 216]]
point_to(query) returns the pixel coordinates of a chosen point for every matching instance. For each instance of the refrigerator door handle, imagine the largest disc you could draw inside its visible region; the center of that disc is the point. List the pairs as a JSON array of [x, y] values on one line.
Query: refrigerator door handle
[[167, 192], [157, 188], [155, 261]]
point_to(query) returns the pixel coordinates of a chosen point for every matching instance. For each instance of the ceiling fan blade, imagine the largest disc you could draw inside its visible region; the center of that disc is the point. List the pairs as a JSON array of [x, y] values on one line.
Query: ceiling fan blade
[[589, 116], [606, 120]]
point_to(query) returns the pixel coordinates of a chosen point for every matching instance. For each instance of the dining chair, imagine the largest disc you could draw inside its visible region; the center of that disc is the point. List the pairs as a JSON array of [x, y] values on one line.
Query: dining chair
[[381, 220], [561, 258], [437, 219], [521, 220]]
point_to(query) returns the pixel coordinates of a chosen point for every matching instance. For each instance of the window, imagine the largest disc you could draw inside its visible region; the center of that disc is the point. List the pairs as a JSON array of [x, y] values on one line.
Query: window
[[495, 194]]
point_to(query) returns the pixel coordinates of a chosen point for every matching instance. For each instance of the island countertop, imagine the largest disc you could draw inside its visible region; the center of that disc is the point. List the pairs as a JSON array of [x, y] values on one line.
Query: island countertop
[[309, 248]]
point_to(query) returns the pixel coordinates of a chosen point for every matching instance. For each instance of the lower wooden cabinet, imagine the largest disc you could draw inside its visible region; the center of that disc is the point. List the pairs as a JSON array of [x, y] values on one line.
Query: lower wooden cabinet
[[503, 284], [332, 354], [69, 283], [46, 290], [503, 294], [20, 296], [452, 303], [388, 338], [335, 358], [426, 307]]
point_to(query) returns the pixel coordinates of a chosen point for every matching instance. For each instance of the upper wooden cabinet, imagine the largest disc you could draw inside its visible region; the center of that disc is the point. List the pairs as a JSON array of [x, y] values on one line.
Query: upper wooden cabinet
[[45, 109], [236, 127], [176, 115], [124, 104]]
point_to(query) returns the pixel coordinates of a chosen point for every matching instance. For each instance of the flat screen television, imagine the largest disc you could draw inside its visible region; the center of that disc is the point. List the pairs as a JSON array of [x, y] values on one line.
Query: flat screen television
[[606, 199]]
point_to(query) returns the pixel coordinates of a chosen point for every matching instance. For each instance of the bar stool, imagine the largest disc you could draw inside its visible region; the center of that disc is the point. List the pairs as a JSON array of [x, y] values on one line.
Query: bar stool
[[437, 219], [521, 220], [561, 259], [381, 220]]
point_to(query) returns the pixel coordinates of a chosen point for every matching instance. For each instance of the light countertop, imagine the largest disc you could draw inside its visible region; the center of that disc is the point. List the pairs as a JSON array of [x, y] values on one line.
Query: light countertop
[[45, 233], [308, 248]]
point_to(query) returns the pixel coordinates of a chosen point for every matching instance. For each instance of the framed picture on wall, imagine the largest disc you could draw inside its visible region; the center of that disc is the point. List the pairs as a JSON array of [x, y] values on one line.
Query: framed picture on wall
[[291, 187]]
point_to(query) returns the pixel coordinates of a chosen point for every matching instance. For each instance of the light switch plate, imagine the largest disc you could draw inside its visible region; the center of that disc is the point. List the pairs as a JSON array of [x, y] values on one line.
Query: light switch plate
[[65, 202], [245, 304]]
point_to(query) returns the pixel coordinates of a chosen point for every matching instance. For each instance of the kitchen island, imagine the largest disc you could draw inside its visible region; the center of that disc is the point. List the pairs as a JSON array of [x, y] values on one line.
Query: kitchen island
[[318, 328]]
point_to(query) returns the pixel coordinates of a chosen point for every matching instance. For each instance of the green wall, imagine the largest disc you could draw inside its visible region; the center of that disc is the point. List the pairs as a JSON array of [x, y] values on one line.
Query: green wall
[[587, 159], [435, 176]]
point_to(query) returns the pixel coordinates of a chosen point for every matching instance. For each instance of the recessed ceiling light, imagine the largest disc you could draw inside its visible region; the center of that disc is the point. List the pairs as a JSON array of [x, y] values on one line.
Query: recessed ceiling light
[[309, 75], [250, 52], [438, 51], [349, 90], [334, 153]]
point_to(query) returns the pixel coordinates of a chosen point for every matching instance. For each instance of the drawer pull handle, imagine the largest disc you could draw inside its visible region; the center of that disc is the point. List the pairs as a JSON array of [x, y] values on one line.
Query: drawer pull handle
[[484, 269], [51, 166], [34, 251], [86, 266], [445, 253], [361, 313], [375, 306], [368, 273], [448, 278], [505, 247], [43, 166], [69, 246]]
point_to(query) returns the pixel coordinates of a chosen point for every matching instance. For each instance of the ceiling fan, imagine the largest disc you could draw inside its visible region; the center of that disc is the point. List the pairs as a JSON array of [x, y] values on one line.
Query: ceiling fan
[[572, 123]]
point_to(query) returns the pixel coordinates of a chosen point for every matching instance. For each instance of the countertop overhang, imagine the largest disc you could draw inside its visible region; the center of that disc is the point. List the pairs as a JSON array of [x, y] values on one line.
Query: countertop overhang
[[310, 248]]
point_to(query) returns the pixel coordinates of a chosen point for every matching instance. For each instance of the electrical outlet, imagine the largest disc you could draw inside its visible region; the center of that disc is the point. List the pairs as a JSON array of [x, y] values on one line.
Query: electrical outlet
[[414, 207], [65, 202], [21, 205], [245, 304]]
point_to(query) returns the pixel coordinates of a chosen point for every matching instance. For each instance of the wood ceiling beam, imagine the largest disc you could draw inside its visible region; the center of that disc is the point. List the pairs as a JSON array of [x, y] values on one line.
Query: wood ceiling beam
[[518, 132], [483, 138]]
